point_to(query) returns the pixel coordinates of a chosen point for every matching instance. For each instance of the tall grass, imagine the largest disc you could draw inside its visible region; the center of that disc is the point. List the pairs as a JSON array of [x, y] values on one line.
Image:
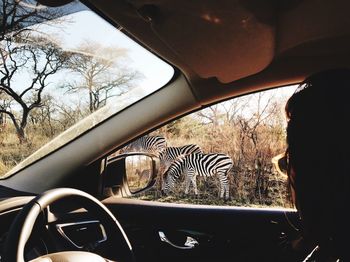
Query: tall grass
[[13, 152]]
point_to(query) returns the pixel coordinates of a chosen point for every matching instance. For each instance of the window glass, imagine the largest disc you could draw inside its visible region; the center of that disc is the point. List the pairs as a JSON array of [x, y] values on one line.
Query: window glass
[[63, 71], [243, 135]]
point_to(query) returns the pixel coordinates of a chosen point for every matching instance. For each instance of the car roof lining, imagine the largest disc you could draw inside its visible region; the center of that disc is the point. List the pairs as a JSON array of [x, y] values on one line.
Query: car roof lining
[[167, 33]]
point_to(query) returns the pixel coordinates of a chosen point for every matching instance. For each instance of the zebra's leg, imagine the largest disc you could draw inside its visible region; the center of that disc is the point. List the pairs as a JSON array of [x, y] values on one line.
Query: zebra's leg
[[193, 180], [187, 183], [190, 179], [194, 184], [227, 191], [224, 187]]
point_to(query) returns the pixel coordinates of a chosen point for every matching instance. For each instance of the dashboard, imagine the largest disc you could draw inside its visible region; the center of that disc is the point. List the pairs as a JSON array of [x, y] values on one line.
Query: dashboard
[[58, 228]]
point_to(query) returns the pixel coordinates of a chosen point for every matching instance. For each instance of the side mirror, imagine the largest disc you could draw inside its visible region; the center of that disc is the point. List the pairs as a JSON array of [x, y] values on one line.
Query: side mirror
[[129, 174], [139, 172]]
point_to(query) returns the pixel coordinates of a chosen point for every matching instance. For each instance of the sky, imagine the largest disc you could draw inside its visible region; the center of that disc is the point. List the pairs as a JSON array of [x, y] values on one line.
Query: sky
[[86, 26]]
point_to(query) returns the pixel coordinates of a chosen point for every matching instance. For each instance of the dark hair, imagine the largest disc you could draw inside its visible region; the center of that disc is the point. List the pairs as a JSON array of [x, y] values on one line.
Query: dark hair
[[319, 152]]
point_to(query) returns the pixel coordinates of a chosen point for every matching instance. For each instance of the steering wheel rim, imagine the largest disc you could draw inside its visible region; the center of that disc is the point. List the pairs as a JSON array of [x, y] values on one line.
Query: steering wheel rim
[[22, 226]]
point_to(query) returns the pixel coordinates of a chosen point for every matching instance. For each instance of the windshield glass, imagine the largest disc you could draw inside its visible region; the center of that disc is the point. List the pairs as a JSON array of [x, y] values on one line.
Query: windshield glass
[[63, 71]]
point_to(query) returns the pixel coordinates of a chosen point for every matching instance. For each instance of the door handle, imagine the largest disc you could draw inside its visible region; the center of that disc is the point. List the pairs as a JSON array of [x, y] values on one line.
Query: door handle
[[189, 244]]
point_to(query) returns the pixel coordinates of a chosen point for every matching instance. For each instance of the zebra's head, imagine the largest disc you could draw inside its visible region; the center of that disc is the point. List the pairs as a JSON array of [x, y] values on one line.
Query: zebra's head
[[168, 182]]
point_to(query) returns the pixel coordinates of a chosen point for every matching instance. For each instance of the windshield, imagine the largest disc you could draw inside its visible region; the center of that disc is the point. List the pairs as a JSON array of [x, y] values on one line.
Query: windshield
[[63, 71]]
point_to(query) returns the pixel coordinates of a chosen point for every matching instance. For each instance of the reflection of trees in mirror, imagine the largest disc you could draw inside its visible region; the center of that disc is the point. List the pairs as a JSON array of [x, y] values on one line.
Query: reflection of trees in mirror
[[249, 129]]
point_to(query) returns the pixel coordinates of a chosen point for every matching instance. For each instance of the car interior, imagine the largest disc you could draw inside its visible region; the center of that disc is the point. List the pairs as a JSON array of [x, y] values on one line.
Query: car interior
[[57, 207]]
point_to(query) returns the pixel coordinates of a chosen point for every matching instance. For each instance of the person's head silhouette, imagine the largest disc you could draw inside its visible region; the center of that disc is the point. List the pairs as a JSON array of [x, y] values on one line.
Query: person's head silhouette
[[318, 159]]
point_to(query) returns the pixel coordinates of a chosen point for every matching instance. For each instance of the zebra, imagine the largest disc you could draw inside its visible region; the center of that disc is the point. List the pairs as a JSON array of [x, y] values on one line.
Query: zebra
[[148, 144], [205, 165], [145, 174], [170, 154]]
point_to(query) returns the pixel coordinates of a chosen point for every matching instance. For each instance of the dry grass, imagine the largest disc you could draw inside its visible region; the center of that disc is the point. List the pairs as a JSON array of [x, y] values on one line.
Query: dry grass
[[13, 152], [240, 196]]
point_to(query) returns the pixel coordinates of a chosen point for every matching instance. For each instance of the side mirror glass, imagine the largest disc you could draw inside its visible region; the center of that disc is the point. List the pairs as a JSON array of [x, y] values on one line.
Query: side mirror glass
[[127, 174], [139, 172]]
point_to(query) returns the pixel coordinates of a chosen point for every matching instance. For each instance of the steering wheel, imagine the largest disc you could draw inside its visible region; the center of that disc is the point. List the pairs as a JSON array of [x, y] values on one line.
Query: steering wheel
[[22, 227]]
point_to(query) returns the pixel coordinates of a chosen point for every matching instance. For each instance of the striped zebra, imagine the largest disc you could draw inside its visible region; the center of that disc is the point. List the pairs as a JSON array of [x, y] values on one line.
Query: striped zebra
[[170, 154], [145, 174], [148, 144], [194, 165]]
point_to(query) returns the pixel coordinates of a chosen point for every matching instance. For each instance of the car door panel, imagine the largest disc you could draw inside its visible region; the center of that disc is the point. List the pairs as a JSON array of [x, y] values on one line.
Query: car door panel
[[223, 233]]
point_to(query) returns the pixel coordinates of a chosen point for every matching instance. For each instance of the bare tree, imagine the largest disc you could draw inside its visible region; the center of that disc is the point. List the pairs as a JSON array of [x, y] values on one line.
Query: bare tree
[[33, 57], [212, 114], [43, 116], [67, 115], [100, 75], [23, 51], [5, 103], [225, 112], [264, 109], [16, 16]]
